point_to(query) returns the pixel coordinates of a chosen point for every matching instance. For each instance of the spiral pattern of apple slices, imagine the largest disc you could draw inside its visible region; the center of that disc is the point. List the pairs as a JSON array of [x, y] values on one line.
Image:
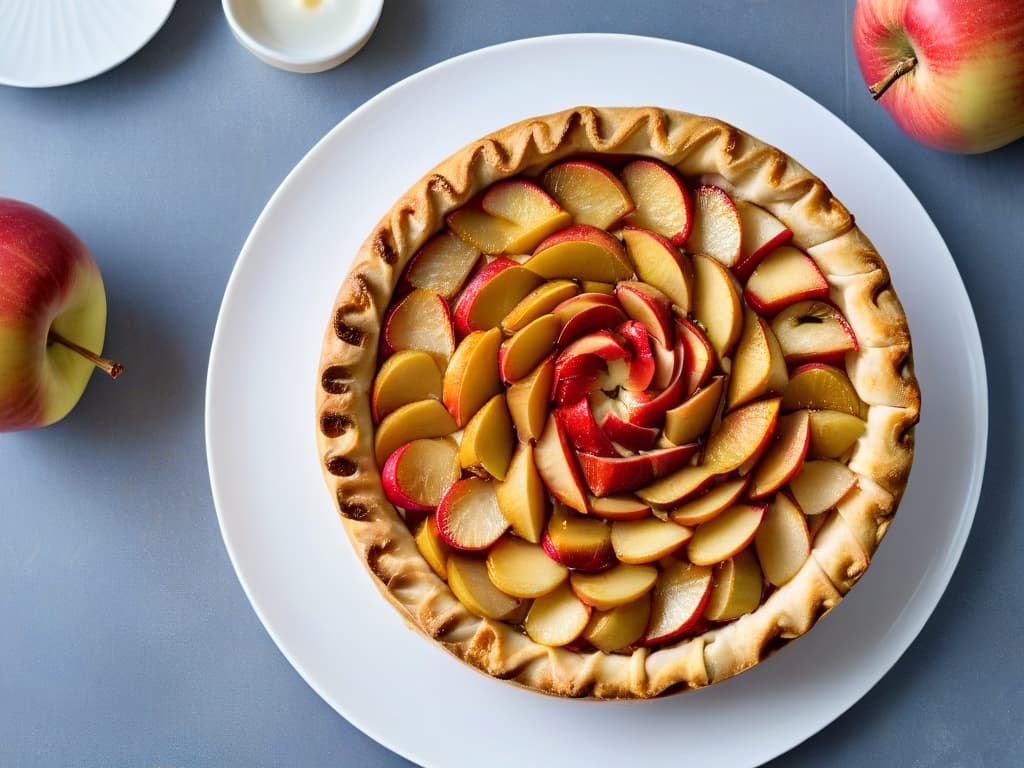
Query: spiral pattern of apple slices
[[613, 405]]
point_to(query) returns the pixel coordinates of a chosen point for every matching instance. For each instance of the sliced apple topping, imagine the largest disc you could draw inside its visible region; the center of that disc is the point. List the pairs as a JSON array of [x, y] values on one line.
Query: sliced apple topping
[[680, 595], [424, 418], [821, 387], [522, 569], [616, 586], [469, 582], [512, 217], [743, 434], [621, 506], [784, 457], [821, 484], [725, 535], [557, 466], [417, 474], [649, 307], [420, 321], [606, 475], [492, 294], [678, 486], [784, 277], [586, 314], [522, 497], [432, 547], [581, 252], [663, 203], [737, 588], [471, 378], [618, 627], [647, 540], [697, 354], [813, 330], [488, 439], [540, 301], [404, 378], [782, 542], [762, 233], [717, 230], [590, 192], [580, 543], [442, 264], [691, 419], [528, 400], [759, 367], [833, 433], [716, 304], [582, 429], [557, 618], [659, 264], [642, 364], [711, 503], [468, 516], [522, 352]]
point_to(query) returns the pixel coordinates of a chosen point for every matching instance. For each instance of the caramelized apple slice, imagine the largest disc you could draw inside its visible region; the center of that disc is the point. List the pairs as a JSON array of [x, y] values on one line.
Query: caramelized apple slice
[[786, 276], [606, 475], [557, 618], [743, 434], [619, 627], [648, 306], [420, 321], [618, 585], [642, 364], [620, 430], [821, 484], [677, 487], [680, 595], [761, 233], [621, 506], [717, 231], [522, 497], [725, 535], [405, 377], [818, 386], [469, 582], [522, 352], [540, 301], [759, 367], [432, 547], [689, 421], [522, 569], [647, 540], [660, 265], [590, 192], [586, 316], [784, 457], [583, 431], [468, 516], [663, 203], [528, 400], [833, 433], [581, 543], [442, 264], [716, 304], [581, 252], [737, 588], [813, 330], [492, 294], [782, 542], [424, 418], [534, 213], [711, 504], [697, 354], [417, 474], [557, 467], [471, 378], [488, 440]]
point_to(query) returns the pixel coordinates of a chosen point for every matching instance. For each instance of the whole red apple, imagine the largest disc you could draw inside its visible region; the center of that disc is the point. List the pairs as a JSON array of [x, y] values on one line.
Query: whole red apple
[[949, 72], [53, 314]]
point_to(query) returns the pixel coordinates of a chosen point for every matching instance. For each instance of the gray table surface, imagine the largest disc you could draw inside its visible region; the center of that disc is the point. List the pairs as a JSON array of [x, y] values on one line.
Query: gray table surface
[[125, 638]]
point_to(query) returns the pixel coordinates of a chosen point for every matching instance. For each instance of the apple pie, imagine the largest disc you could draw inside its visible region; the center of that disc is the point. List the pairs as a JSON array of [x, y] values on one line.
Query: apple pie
[[616, 402]]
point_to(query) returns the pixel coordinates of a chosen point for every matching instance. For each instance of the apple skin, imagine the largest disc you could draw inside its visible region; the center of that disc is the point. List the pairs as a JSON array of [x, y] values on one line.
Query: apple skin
[[966, 91], [48, 281]]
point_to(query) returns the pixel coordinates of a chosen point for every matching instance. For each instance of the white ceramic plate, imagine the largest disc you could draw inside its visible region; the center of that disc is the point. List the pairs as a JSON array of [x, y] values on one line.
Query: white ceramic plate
[[278, 521], [45, 43]]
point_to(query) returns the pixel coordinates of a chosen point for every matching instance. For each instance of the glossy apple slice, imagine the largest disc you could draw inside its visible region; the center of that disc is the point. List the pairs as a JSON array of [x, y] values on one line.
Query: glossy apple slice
[[833, 433], [666, 361], [469, 582], [743, 434], [690, 420], [468, 515], [417, 474], [522, 496], [659, 264], [697, 354], [782, 542], [737, 588], [710, 504], [581, 543], [663, 203], [421, 419], [557, 466], [813, 331], [641, 364], [583, 301], [527, 400], [488, 439], [818, 386], [540, 301], [758, 367], [420, 321], [615, 586], [535, 214], [622, 506], [471, 378], [432, 547], [619, 627], [784, 456], [590, 318], [761, 233], [647, 540], [581, 252], [492, 294], [785, 276], [677, 487], [717, 229], [583, 431], [648, 306], [621, 431], [523, 351], [442, 265], [590, 192], [522, 569], [557, 618], [725, 535], [821, 484], [605, 475], [679, 597], [405, 377], [648, 409], [716, 304]]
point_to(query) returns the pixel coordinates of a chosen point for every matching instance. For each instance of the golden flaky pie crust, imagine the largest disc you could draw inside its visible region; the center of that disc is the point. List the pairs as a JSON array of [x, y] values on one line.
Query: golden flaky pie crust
[[881, 371]]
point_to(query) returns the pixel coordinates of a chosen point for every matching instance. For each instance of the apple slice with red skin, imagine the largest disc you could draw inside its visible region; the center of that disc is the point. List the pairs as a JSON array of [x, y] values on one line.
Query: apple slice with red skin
[[417, 474], [677, 487], [580, 543], [659, 264], [648, 306], [605, 475], [717, 229], [522, 352], [716, 304], [618, 585], [578, 366], [421, 419], [785, 276], [492, 293], [814, 331], [432, 547], [471, 378], [665, 361], [469, 582], [582, 429], [646, 409], [590, 192], [818, 386], [488, 440], [821, 484], [522, 496], [404, 378], [581, 252], [678, 599], [697, 355], [589, 319], [725, 535], [557, 618], [468, 515], [663, 202], [619, 627], [622, 506], [783, 542], [641, 364], [691, 419], [762, 233], [758, 367], [743, 434], [556, 464], [833, 433], [621, 431], [528, 398], [522, 569], [711, 504], [784, 456], [540, 301], [532, 210], [442, 264], [737, 590], [582, 301], [420, 321], [647, 540]]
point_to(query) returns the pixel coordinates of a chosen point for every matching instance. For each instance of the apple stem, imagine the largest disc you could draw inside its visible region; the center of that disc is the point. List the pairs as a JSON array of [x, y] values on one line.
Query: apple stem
[[905, 66], [109, 366]]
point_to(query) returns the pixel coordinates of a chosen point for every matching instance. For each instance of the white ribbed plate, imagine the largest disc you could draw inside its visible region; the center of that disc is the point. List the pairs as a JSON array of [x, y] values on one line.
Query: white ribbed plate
[[56, 42]]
